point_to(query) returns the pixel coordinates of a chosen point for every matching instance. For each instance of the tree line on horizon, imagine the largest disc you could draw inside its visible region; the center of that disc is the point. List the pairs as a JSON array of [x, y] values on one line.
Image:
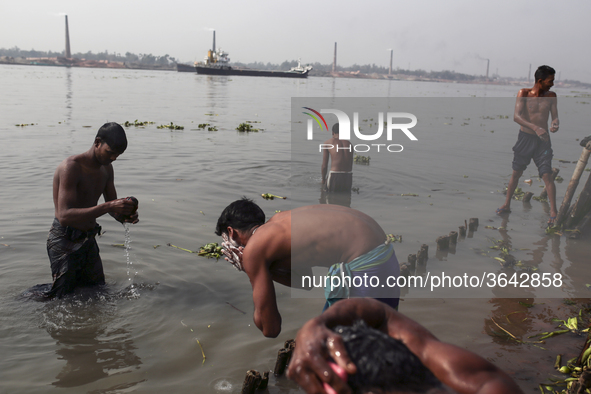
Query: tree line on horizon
[[319, 69], [142, 58], [166, 60]]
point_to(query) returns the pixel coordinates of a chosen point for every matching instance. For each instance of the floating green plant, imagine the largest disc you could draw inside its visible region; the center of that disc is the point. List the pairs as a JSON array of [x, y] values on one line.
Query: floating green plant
[[171, 126], [390, 238], [359, 159], [269, 196], [137, 123], [246, 128], [211, 250]]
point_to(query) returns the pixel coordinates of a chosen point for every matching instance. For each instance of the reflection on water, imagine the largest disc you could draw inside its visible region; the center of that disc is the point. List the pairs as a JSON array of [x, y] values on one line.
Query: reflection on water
[[69, 93], [91, 337], [338, 198]]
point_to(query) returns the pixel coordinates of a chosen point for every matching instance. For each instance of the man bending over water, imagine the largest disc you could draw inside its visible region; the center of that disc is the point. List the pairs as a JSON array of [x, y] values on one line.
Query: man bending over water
[[78, 183], [532, 110], [376, 364], [292, 242]]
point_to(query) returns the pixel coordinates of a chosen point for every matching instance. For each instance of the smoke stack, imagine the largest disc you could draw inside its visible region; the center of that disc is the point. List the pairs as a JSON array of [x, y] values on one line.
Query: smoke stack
[[334, 62], [487, 63], [68, 54], [391, 56], [213, 50], [529, 74]]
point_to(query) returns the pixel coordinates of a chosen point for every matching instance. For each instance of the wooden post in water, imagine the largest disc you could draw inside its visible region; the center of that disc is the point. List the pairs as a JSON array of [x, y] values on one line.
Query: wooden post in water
[[251, 381], [423, 254], [473, 225], [443, 242], [283, 356], [581, 207], [462, 231], [453, 237], [264, 381], [574, 182], [412, 262], [528, 195]]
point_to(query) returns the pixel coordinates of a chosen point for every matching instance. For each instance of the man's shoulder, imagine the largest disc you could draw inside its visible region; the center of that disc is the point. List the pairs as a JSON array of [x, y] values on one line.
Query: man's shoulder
[[69, 166], [524, 92]]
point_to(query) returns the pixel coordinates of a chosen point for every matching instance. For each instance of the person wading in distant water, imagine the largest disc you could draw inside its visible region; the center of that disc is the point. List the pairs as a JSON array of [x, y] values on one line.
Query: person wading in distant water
[[532, 110], [78, 183], [340, 177]]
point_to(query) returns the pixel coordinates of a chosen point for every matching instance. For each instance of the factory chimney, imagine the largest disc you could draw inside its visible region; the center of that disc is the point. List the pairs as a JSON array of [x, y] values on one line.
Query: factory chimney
[[213, 50], [68, 54], [391, 56], [334, 62]]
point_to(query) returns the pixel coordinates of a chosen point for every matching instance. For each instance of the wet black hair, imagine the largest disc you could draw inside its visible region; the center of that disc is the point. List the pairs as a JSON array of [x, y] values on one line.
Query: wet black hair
[[543, 72], [242, 215], [113, 134], [383, 363], [335, 128]]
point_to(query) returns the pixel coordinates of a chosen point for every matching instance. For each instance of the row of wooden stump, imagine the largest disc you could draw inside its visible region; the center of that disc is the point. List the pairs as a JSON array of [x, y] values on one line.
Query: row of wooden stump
[[443, 243], [255, 381]]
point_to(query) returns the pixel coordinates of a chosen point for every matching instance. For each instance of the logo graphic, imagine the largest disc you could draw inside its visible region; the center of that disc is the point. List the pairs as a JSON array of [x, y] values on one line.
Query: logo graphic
[[391, 124], [310, 135]]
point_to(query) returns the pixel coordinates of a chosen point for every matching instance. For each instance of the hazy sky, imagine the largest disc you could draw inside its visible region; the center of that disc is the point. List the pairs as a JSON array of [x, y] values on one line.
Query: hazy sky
[[431, 35]]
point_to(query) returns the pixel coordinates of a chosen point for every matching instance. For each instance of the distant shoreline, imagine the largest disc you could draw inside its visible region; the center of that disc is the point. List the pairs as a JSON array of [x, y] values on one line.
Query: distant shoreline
[[106, 64]]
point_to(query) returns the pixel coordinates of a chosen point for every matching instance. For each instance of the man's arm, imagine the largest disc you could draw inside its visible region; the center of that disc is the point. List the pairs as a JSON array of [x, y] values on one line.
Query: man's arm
[[461, 370], [554, 113], [266, 315], [110, 194], [324, 167]]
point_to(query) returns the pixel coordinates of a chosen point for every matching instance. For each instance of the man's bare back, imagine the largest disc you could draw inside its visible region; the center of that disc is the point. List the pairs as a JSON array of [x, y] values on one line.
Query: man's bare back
[[293, 242], [312, 236], [340, 155]]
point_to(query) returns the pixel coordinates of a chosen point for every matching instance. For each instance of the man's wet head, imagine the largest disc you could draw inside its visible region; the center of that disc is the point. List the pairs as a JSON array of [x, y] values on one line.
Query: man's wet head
[[545, 76], [384, 364], [239, 218], [113, 135], [335, 130]]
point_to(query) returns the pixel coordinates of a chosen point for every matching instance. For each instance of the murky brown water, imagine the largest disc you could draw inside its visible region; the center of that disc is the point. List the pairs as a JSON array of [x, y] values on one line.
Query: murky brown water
[[119, 342]]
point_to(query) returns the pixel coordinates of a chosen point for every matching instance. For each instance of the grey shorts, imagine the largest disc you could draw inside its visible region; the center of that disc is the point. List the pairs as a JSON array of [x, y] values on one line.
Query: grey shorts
[[530, 147]]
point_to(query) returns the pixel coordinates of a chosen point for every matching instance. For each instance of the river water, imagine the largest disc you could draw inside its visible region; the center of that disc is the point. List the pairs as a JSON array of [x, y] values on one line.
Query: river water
[[153, 336]]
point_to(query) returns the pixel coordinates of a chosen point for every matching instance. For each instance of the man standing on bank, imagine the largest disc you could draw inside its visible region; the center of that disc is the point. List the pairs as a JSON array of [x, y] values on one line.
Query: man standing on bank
[[78, 183], [532, 110]]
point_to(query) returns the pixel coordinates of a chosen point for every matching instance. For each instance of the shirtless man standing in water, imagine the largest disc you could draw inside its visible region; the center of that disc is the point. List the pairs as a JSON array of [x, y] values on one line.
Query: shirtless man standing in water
[[340, 177], [532, 110], [78, 183]]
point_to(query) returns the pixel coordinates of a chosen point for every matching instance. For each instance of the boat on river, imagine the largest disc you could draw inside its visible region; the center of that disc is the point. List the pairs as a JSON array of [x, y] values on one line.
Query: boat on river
[[217, 62]]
